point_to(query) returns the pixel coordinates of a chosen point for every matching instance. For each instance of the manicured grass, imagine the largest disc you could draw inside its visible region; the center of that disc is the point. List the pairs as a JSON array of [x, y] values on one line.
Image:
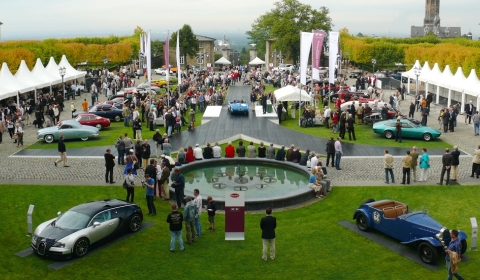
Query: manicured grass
[[363, 133], [310, 242]]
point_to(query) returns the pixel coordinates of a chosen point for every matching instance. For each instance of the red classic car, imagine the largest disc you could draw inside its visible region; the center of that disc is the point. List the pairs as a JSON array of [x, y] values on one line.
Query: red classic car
[[93, 120]]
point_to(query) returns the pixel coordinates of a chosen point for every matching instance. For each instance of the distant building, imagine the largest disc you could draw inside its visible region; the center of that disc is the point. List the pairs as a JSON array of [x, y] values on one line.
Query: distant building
[[431, 23], [205, 55]]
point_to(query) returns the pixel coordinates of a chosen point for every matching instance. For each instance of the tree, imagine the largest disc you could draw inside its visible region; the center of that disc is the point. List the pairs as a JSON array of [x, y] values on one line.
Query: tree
[[360, 35], [157, 48], [284, 24], [244, 57], [188, 42]]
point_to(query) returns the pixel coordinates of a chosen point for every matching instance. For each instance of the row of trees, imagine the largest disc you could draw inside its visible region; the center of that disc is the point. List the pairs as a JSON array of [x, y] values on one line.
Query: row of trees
[[457, 52]]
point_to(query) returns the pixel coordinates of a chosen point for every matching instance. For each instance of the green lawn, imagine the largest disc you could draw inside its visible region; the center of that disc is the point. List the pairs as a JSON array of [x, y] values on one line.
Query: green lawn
[[310, 243]]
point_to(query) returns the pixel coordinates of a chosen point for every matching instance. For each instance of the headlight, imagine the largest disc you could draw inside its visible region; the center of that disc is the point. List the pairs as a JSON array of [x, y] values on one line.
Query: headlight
[[59, 244]]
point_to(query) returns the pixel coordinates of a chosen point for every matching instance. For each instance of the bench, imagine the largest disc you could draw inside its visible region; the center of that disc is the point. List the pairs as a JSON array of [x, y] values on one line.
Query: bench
[[391, 209]]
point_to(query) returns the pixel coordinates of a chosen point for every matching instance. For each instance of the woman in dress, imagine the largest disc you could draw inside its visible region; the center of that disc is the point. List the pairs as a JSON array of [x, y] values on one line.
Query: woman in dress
[[130, 160], [424, 165], [130, 183]]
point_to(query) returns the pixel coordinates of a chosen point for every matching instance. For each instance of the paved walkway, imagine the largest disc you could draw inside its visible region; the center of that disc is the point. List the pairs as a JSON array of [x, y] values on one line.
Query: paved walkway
[[90, 171]]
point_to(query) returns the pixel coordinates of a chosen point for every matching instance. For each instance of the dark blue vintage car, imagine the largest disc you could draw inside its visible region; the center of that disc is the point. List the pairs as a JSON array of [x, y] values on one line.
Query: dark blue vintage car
[[238, 107], [394, 219]]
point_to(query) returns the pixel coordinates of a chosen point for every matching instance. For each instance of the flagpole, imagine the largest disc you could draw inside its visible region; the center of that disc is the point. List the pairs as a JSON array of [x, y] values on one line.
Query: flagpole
[[167, 67]]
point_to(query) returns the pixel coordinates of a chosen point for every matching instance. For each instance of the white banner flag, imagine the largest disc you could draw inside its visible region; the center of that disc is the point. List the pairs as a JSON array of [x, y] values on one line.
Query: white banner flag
[[179, 72], [305, 45], [149, 58], [333, 52]]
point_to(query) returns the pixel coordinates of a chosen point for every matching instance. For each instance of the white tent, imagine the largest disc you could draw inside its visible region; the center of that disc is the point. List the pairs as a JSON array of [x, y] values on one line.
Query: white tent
[[457, 83], [8, 81], [7, 92], [425, 73], [472, 86], [446, 77], [53, 69], [23, 74], [222, 60], [291, 93], [42, 74], [70, 71], [256, 61], [411, 73]]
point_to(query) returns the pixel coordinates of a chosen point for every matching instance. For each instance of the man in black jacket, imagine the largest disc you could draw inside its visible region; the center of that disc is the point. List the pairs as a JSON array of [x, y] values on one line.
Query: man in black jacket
[[175, 219], [455, 162], [63, 152], [330, 151], [446, 166], [268, 225], [350, 127], [146, 152], [109, 164]]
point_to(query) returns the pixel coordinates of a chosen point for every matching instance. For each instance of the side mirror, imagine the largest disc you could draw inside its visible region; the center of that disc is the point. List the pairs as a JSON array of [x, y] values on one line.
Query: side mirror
[[96, 224], [59, 213]]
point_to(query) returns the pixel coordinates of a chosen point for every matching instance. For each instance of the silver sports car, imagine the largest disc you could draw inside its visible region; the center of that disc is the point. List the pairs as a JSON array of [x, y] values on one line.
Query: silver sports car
[[75, 231]]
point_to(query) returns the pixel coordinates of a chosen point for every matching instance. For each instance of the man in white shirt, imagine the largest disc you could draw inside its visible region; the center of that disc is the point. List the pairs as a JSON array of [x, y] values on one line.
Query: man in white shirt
[[198, 202], [217, 151], [313, 160], [197, 152], [338, 153], [327, 115]]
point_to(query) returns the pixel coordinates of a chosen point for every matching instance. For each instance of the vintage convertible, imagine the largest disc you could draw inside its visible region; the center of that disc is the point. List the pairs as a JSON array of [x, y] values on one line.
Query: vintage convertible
[[394, 219], [238, 107]]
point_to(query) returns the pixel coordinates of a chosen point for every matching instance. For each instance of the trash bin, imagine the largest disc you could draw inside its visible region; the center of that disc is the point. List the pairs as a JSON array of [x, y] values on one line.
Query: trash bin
[[269, 106], [284, 116], [292, 112]]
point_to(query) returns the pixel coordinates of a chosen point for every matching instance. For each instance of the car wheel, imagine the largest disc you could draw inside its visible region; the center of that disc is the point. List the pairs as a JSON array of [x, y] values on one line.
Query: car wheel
[[428, 253], [388, 134], [135, 223], [99, 126], [49, 138], [464, 246], [80, 248], [427, 137], [118, 118], [84, 138], [362, 222]]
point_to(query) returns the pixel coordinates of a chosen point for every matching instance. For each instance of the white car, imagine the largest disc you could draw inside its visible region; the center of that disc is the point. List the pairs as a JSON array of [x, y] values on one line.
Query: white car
[[161, 71], [284, 67]]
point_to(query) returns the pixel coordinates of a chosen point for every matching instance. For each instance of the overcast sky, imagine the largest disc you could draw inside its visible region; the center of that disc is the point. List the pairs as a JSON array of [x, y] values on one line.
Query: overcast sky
[[39, 19]]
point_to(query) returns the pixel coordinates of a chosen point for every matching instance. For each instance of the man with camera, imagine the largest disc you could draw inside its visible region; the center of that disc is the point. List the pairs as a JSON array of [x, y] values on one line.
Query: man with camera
[[149, 183]]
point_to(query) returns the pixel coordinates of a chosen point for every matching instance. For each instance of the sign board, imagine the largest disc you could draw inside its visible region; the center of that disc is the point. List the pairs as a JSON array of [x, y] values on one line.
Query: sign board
[[235, 215], [29, 219]]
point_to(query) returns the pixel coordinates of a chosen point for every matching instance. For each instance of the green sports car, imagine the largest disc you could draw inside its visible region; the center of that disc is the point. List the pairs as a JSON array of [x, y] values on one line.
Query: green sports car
[[409, 130]]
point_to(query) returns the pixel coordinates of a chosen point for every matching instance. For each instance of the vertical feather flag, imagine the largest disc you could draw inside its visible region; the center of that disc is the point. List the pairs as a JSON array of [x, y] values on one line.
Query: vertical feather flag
[[166, 56], [179, 72]]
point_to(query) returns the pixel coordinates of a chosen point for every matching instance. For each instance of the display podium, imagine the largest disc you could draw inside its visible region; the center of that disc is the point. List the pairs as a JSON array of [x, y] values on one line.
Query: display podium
[[235, 215]]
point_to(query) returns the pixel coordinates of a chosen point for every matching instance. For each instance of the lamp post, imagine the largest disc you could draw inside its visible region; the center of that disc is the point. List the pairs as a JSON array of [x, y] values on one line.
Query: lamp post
[[418, 71], [348, 61], [1, 23], [62, 71], [374, 61]]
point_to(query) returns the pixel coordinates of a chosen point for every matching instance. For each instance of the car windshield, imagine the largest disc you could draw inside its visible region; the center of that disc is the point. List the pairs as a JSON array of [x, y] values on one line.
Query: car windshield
[[72, 220]]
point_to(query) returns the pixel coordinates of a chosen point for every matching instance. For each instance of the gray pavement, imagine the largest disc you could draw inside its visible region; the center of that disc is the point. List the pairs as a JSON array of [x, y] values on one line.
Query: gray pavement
[[89, 172]]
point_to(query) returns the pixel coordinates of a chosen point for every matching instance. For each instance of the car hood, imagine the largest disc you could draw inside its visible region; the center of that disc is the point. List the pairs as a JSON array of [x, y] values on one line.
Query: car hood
[[52, 232], [422, 220], [48, 130]]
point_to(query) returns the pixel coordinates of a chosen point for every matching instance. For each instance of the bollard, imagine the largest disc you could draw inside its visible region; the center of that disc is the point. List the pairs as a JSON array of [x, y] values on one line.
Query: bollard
[[473, 245], [29, 219]]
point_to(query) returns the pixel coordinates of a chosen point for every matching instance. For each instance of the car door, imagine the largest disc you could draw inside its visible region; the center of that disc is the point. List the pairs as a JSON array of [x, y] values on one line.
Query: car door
[[67, 131], [409, 131], [108, 223]]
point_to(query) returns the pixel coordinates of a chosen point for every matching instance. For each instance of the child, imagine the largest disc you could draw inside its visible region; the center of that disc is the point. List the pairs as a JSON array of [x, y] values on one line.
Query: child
[[211, 208]]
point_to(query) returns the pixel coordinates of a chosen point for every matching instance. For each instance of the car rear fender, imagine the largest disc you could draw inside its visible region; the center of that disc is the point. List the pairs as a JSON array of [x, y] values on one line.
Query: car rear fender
[[431, 240]]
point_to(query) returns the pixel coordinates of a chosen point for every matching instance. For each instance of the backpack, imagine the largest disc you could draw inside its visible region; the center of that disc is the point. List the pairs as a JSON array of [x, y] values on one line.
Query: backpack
[[116, 144]]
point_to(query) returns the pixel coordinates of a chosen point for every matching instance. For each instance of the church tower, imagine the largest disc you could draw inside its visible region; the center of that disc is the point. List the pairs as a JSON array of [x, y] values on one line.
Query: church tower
[[432, 12]]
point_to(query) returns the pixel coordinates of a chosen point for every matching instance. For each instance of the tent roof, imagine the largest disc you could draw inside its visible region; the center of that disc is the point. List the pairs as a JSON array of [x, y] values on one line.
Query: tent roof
[[446, 77], [425, 73], [8, 81], [291, 93], [6, 92], [52, 69], [435, 75], [256, 61], [457, 83], [41, 73], [23, 74], [472, 85], [411, 73], [222, 60], [70, 71]]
